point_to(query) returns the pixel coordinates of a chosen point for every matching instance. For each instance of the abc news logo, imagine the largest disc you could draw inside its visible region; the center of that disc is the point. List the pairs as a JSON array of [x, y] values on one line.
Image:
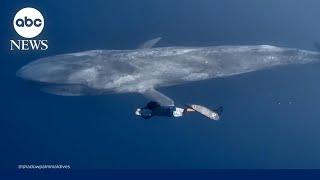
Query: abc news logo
[[28, 23]]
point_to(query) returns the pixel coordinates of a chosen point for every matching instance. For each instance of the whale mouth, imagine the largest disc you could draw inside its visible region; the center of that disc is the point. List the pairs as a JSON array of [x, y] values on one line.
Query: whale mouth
[[70, 90], [66, 89]]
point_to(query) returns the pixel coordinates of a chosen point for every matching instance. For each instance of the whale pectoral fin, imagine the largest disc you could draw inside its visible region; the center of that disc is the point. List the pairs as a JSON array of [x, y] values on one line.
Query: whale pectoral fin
[[158, 97], [149, 44]]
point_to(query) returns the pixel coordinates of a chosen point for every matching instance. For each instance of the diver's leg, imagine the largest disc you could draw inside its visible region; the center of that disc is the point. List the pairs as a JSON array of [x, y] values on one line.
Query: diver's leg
[[187, 110], [177, 112]]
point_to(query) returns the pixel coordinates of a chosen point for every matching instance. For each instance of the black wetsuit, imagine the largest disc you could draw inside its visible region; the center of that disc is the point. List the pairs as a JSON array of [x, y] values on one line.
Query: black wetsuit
[[155, 109]]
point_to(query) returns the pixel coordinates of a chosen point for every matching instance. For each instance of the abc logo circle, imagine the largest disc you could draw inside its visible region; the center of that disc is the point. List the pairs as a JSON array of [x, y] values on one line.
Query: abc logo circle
[[28, 22]]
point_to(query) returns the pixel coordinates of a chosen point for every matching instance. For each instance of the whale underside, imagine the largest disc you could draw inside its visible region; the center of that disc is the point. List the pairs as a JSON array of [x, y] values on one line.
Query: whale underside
[[142, 70]]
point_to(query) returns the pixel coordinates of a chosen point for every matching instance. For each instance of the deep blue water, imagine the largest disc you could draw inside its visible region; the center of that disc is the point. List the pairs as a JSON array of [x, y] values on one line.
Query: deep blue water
[[271, 118]]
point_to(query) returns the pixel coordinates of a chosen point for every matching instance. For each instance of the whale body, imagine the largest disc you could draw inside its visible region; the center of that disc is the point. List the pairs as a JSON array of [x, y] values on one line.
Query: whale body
[[142, 70]]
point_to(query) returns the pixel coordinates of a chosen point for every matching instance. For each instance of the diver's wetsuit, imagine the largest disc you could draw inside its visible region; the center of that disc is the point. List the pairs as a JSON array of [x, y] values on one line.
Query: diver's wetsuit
[[155, 109]]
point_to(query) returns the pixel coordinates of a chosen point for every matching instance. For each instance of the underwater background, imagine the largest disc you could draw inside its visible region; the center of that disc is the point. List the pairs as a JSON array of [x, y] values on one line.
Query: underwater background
[[271, 118]]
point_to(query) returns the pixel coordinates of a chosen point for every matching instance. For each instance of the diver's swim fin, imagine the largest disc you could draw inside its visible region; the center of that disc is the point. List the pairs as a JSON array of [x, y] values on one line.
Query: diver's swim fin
[[219, 111], [212, 114]]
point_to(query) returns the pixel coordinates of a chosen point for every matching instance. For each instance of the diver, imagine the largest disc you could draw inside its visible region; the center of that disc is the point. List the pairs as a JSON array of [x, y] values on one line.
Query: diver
[[155, 109]]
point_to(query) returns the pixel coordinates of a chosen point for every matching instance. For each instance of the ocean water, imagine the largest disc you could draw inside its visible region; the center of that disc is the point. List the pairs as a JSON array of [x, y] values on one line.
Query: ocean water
[[271, 118]]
